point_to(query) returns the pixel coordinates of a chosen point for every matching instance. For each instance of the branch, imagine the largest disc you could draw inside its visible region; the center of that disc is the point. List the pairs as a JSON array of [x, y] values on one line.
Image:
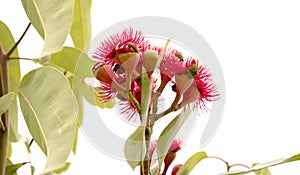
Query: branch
[[18, 42]]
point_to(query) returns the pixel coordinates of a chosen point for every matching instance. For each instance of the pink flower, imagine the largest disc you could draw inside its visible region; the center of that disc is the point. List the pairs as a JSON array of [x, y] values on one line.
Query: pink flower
[[202, 89], [127, 41], [176, 145], [172, 63]]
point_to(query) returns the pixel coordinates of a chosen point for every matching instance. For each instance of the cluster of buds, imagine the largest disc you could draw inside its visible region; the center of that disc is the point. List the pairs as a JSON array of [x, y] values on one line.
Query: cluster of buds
[[119, 63]]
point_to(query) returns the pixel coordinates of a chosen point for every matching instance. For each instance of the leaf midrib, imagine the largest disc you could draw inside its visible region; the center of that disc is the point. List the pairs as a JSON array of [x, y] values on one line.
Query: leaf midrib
[[36, 117]]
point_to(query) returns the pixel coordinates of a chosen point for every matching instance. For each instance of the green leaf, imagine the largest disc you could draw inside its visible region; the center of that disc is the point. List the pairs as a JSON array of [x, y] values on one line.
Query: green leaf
[[292, 159], [135, 147], [79, 66], [264, 171], [7, 41], [47, 104], [32, 169], [146, 95], [63, 169], [81, 23], [12, 169], [262, 166], [189, 165], [52, 19], [168, 134], [5, 102]]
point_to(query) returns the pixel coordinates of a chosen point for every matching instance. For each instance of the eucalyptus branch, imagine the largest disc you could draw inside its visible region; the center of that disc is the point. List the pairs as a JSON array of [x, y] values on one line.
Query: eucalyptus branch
[[222, 160], [172, 108], [239, 164], [18, 42], [228, 166], [4, 135]]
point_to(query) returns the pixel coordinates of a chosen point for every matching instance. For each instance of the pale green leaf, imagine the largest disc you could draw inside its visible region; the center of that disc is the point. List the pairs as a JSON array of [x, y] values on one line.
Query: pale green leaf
[[262, 166], [32, 169], [46, 101], [52, 19], [79, 66], [81, 23], [7, 41], [5, 102], [189, 165], [135, 147], [63, 169], [292, 159], [8, 162], [168, 134], [146, 95], [12, 169], [264, 171]]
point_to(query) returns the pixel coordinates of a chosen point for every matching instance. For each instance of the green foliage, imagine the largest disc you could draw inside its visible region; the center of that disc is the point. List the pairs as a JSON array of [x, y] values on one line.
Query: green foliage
[[81, 23], [264, 171], [262, 167], [52, 19], [11, 169], [7, 41], [168, 134], [146, 95], [5, 102], [63, 169], [46, 101], [79, 67], [135, 147], [189, 165]]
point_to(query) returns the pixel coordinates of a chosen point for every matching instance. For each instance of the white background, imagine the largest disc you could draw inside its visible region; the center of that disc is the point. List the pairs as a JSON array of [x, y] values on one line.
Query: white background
[[257, 43]]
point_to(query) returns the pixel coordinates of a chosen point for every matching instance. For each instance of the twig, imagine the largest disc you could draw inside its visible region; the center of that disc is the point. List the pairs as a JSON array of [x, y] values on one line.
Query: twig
[[18, 42]]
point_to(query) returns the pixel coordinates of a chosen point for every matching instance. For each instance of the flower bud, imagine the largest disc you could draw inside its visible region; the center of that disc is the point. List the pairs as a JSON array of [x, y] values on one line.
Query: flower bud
[[183, 82], [103, 73], [150, 59], [129, 61], [193, 70], [176, 169], [169, 159], [191, 95], [127, 56]]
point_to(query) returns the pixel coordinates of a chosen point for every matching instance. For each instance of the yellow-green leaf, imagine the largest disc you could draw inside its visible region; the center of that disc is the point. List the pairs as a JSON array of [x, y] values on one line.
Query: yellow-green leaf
[[135, 147], [7, 41], [168, 134], [46, 101], [11, 169], [81, 23], [263, 166], [52, 19], [190, 164], [63, 169], [5, 102], [79, 66]]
